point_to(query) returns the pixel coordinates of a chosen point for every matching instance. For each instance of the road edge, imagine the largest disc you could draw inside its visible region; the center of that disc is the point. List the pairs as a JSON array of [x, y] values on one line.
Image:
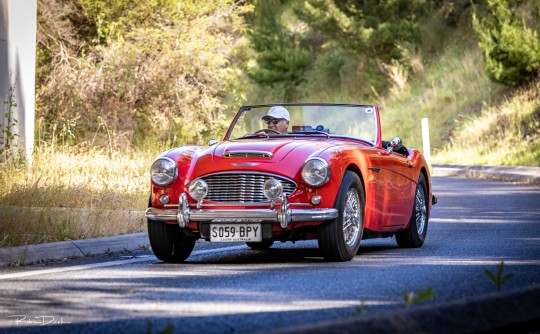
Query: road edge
[[513, 311], [63, 250], [518, 174]]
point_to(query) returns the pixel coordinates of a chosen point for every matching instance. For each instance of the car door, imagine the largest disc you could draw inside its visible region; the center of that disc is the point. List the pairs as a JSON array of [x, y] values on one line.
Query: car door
[[395, 189]]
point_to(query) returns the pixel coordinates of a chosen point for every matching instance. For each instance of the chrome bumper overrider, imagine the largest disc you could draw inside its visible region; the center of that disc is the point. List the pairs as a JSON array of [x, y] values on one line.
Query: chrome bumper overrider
[[284, 215]]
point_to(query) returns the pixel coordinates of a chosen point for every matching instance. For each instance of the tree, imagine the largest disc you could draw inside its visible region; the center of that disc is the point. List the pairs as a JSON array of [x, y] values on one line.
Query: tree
[[374, 29], [280, 59], [140, 69], [511, 49]]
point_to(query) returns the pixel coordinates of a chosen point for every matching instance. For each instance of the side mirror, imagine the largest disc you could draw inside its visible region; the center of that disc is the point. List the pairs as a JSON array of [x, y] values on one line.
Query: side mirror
[[212, 142]]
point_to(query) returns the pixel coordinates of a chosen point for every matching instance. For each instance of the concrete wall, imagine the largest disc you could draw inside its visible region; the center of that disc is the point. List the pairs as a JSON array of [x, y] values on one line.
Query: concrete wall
[[18, 67]]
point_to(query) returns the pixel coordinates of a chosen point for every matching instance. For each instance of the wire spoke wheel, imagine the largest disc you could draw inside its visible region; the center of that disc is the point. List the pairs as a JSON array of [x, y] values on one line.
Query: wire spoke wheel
[[415, 234], [420, 210], [339, 239], [351, 218]]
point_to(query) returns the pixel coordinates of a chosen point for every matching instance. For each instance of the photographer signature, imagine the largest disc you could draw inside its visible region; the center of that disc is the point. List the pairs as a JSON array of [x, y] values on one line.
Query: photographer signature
[[42, 320]]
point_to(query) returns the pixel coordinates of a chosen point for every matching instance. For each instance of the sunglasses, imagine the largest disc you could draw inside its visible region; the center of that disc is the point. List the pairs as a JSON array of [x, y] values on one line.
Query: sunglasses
[[273, 121]]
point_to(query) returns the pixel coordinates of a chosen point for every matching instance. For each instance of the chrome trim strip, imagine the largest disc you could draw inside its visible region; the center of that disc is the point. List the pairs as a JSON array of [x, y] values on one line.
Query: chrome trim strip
[[256, 215], [238, 204], [284, 215], [248, 154], [162, 215]]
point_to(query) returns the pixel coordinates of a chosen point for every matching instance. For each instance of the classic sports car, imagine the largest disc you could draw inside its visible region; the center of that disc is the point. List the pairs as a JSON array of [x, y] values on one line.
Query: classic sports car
[[291, 172]]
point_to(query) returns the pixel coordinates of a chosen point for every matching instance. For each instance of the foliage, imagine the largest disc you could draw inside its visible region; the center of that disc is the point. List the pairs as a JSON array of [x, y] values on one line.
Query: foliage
[[499, 278], [280, 59], [8, 134], [339, 76], [169, 328], [511, 48], [151, 69], [361, 310], [505, 133], [411, 297], [445, 94], [374, 29]]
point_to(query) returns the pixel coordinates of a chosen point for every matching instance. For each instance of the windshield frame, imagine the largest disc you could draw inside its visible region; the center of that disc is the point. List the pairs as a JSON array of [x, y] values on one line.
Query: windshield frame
[[378, 139]]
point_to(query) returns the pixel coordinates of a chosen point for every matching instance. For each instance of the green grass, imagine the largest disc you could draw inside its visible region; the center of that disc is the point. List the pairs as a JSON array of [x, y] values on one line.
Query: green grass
[[451, 90], [507, 133], [473, 121]]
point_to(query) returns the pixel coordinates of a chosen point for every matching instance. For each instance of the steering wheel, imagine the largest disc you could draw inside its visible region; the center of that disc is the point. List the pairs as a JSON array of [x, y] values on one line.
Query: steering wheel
[[266, 131]]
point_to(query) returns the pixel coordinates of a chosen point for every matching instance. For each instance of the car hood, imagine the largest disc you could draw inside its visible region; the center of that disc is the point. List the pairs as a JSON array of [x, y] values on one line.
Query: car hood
[[274, 150]]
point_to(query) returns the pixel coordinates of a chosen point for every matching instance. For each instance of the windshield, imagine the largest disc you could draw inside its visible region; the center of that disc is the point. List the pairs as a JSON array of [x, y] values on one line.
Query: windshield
[[353, 121]]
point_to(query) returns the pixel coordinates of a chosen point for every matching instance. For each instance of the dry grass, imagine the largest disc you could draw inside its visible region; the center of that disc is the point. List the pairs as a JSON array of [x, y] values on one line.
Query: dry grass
[[452, 89], [73, 193], [504, 134]]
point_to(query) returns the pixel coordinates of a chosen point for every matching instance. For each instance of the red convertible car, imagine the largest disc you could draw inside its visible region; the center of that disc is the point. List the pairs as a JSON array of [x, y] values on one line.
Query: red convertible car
[[291, 172]]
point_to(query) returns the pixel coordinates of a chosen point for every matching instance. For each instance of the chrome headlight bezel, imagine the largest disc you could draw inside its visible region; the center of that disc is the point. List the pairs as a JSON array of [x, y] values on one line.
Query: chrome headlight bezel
[[272, 189], [163, 171], [316, 172], [198, 189]]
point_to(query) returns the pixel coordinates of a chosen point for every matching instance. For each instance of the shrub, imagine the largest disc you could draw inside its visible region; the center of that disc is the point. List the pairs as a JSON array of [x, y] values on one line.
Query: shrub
[[143, 68], [511, 49]]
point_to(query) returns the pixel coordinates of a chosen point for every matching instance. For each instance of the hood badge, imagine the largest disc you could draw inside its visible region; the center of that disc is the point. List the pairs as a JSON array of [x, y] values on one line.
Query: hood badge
[[245, 164]]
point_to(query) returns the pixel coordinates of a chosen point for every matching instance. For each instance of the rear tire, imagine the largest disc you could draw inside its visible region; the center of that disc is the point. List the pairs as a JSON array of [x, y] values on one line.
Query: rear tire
[[169, 242], [339, 239], [265, 244], [415, 235]]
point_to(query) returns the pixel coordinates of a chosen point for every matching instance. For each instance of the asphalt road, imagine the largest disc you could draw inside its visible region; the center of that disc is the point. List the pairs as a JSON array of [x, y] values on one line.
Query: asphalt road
[[228, 288]]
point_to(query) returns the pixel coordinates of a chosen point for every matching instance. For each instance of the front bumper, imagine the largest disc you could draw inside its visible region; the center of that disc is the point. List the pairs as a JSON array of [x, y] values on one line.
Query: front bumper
[[284, 215]]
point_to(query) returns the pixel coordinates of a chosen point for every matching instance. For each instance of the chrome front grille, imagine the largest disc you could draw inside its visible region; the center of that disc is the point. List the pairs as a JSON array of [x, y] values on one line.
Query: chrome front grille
[[242, 188]]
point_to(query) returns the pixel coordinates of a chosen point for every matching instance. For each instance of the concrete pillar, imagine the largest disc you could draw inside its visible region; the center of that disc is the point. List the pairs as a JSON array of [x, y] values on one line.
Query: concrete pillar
[[18, 68]]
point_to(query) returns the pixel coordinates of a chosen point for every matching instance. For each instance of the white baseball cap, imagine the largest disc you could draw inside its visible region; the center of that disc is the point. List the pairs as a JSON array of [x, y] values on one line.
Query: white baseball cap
[[277, 112]]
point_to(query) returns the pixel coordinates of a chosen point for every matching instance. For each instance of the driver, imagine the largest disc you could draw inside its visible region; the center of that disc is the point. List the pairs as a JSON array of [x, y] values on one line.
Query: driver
[[277, 119]]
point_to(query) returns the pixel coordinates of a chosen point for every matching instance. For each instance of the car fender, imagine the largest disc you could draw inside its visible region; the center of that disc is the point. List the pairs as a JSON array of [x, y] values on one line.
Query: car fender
[[183, 156]]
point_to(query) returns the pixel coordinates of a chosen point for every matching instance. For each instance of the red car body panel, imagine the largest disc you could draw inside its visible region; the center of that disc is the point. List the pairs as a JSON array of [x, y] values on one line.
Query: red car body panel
[[330, 177], [388, 192]]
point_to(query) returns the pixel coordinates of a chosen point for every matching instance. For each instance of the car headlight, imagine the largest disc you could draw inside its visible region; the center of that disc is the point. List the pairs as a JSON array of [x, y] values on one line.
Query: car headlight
[[163, 171], [272, 189], [316, 172], [198, 189]]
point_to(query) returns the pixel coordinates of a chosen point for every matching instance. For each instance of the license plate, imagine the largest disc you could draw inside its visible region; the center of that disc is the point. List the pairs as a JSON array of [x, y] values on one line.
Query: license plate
[[235, 232]]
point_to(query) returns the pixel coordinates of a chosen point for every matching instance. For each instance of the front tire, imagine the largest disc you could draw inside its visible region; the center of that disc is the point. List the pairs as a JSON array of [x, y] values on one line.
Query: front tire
[[340, 238], [169, 242], [415, 235]]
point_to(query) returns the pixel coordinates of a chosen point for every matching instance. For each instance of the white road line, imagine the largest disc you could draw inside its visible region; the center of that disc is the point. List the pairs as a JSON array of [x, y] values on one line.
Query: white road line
[[137, 259]]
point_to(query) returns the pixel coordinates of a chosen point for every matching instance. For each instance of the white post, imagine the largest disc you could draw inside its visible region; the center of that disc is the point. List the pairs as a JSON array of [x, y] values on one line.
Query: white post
[[18, 21], [425, 140]]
